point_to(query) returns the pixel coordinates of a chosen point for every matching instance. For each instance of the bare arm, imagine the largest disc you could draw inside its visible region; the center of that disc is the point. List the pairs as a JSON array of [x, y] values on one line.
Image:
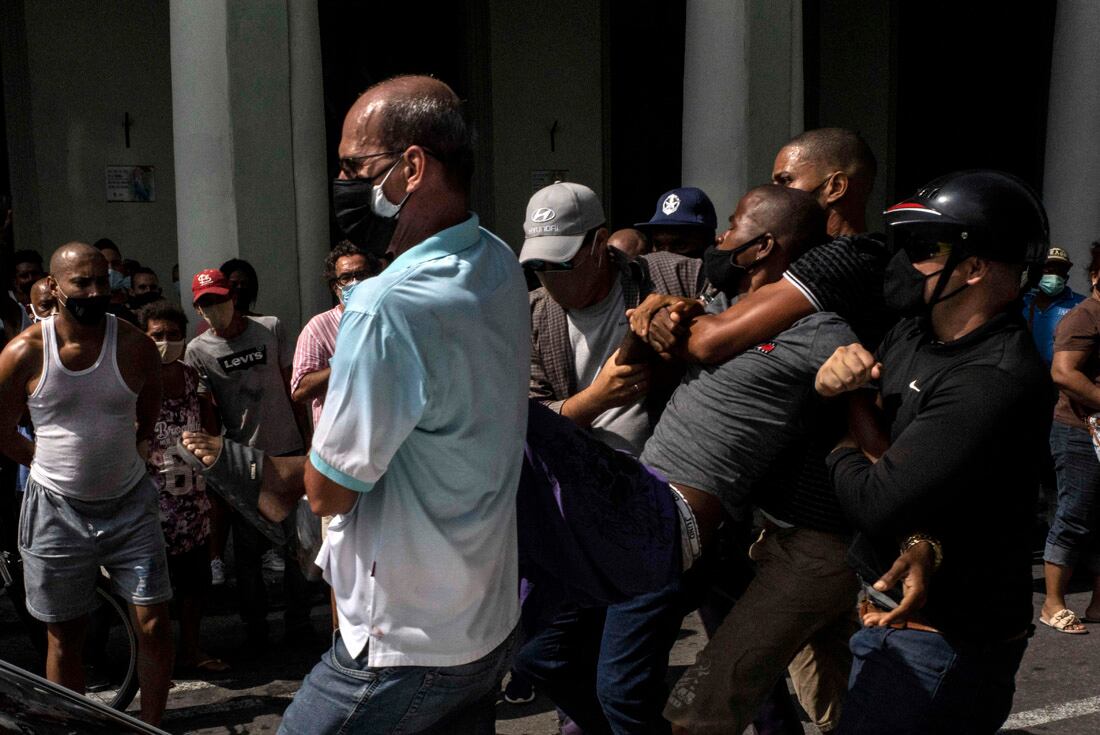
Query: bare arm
[[19, 364], [617, 384], [1065, 370], [755, 318], [208, 415], [326, 498], [312, 385], [148, 402], [301, 412], [865, 422]]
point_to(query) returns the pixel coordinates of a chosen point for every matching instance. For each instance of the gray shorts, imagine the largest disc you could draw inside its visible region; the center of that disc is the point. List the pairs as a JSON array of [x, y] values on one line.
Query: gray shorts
[[64, 542]]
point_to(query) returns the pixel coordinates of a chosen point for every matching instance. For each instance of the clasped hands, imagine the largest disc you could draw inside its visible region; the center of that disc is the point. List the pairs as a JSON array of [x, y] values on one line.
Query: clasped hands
[[663, 320]]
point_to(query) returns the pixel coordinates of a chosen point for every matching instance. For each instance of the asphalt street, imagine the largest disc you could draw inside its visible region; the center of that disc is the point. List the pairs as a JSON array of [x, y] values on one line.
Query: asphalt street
[[1057, 685]]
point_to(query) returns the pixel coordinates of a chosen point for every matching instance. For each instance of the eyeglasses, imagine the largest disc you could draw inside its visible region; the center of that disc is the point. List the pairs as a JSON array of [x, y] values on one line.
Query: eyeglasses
[[345, 278], [352, 165]]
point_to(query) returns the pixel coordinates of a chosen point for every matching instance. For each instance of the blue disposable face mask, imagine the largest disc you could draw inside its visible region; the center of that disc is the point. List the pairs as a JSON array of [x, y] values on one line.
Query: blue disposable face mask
[[345, 291], [1052, 284], [118, 281]]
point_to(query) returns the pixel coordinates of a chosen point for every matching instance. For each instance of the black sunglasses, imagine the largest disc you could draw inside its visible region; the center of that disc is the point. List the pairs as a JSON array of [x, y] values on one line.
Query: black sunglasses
[[928, 240], [543, 266], [345, 278]]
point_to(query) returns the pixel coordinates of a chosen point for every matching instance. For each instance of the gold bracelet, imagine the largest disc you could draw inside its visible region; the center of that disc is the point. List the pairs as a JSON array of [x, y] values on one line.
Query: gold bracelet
[[937, 547]]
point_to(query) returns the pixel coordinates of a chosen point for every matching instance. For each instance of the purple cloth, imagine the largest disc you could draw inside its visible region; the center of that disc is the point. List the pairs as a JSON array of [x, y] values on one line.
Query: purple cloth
[[594, 520]]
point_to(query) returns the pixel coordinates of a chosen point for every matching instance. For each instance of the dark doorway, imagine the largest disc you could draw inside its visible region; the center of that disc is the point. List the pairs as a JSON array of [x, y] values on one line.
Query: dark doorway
[[365, 43], [644, 100], [972, 91]]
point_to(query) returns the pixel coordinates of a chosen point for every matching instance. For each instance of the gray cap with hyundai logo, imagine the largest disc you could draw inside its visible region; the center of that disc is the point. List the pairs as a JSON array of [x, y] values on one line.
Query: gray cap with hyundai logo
[[558, 218]]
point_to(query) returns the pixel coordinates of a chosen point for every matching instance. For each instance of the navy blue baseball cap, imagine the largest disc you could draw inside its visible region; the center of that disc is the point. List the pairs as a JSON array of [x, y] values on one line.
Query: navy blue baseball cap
[[684, 206]]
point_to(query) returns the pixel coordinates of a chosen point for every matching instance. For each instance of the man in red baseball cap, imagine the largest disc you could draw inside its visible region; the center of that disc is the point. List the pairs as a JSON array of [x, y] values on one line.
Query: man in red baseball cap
[[245, 363]]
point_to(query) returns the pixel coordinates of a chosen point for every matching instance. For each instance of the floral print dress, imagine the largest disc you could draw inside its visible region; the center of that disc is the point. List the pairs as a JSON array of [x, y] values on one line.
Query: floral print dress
[[184, 505]]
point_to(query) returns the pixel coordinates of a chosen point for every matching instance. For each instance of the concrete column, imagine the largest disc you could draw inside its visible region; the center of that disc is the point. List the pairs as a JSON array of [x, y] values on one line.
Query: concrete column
[[716, 95], [27, 223], [742, 93], [1071, 179], [311, 201], [248, 123], [206, 203]]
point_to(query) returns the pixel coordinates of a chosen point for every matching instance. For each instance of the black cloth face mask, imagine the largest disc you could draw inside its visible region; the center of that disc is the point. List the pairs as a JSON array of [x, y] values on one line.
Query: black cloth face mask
[[87, 310], [903, 286], [143, 299], [356, 203], [351, 199], [722, 269]]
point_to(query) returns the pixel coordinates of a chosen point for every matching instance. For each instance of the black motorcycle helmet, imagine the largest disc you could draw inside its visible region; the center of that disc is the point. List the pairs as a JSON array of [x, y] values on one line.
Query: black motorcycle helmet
[[981, 212]]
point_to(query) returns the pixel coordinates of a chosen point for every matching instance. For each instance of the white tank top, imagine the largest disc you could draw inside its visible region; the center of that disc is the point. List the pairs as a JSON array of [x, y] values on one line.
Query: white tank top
[[84, 424]]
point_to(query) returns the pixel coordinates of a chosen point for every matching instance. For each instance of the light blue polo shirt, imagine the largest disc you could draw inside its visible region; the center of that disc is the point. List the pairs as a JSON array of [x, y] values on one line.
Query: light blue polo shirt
[[425, 415]]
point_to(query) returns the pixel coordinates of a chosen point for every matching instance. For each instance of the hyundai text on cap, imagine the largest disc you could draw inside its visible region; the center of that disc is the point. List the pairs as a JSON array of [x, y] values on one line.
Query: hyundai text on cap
[[558, 218]]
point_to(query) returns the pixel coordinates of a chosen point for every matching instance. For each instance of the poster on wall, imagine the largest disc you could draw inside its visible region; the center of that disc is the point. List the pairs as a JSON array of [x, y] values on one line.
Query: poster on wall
[[131, 184]]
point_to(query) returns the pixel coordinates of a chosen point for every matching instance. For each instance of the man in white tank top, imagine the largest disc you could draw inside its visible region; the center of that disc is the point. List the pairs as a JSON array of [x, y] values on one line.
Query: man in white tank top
[[87, 380]]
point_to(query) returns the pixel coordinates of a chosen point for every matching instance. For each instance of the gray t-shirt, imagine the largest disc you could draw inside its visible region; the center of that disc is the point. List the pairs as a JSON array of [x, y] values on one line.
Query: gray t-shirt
[[245, 376], [595, 332], [726, 424]]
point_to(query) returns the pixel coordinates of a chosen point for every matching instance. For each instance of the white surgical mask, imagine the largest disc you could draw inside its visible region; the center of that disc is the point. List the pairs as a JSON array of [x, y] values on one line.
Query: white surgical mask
[[170, 351]]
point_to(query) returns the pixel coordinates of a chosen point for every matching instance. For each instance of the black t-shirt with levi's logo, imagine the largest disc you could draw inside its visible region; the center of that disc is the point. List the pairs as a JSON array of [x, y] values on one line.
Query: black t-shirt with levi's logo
[[245, 377]]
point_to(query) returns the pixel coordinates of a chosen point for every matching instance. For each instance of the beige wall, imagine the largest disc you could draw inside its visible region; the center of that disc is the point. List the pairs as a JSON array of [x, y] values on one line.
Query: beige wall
[[86, 65], [543, 70]]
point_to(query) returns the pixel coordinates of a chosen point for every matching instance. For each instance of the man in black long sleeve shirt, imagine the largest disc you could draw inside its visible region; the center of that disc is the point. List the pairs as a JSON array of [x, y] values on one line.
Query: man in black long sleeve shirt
[[965, 402]]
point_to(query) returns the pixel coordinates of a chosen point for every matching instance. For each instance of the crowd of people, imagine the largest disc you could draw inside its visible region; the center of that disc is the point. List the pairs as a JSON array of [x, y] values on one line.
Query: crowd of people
[[531, 468]]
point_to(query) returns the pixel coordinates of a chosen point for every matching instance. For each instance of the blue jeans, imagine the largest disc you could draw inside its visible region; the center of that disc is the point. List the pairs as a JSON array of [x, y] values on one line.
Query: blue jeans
[[1074, 539], [910, 682], [605, 666], [344, 695]]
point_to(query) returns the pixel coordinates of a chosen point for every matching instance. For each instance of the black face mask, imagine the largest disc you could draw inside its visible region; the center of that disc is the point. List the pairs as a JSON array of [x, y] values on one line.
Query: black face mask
[[136, 302], [903, 287], [722, 269], [356, 203], [87, 310], [351, 198]]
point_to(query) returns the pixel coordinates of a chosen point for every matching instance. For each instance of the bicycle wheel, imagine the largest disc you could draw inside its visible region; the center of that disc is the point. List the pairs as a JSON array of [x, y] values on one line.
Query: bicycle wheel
[[110, 654]]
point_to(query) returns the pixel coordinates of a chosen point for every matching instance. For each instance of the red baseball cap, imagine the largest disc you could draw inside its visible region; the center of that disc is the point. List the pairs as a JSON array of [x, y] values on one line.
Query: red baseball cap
[[212, 281]]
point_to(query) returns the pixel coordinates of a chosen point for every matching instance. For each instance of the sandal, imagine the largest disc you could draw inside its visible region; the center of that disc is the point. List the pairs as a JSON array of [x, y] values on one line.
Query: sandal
[[1062, 620]]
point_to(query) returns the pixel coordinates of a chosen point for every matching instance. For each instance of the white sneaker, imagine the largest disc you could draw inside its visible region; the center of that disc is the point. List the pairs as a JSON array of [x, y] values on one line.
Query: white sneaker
[[217, 571], [273, 562]]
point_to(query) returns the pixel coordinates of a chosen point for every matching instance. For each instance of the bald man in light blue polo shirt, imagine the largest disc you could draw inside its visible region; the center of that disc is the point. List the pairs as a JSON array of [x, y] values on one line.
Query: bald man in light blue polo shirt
[[419, 448]]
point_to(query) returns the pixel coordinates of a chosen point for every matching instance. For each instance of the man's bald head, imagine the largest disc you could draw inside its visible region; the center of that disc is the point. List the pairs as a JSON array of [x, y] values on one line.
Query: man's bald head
[[794, 217], [839, 149], [42, 298], [837, 166], [629, 241], [66, 257], [415, 110]]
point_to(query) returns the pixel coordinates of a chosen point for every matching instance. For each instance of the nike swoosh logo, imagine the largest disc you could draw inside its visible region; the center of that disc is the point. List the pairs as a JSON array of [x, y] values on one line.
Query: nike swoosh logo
[[913, 386]]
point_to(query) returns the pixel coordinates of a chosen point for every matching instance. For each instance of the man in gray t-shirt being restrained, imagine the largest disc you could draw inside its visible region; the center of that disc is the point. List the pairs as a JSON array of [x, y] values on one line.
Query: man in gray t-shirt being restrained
[[244, 362], [725, 431]]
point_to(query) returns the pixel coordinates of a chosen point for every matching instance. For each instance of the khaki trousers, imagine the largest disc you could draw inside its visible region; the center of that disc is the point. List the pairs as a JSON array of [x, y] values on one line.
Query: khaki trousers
[[801, 606]]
